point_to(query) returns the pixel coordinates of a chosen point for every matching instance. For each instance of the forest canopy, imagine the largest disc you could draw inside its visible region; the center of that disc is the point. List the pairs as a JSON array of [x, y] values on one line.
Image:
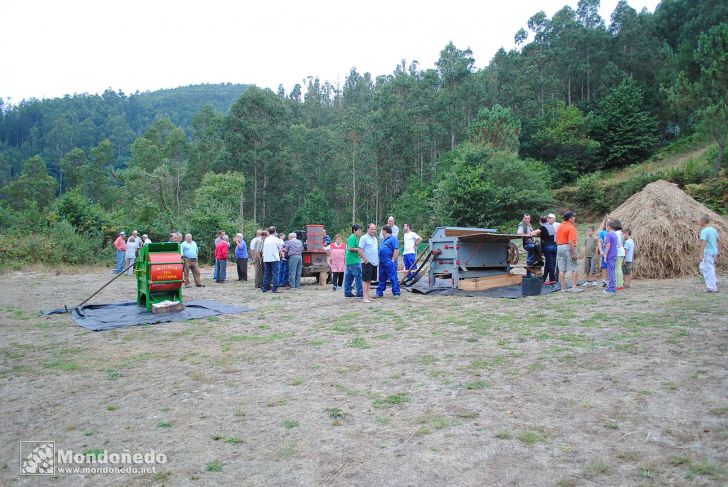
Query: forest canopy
[[577, 96]]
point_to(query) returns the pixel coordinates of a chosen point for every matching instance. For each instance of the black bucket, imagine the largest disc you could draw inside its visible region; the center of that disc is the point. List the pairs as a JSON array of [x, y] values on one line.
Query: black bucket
[[531, 286]]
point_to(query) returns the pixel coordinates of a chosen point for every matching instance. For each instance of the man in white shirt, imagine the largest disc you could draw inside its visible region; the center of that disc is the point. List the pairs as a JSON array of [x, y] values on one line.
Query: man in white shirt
[[411, 241], [551, 218], [370, 257], [256, 255], [272, 246], [395, 229]]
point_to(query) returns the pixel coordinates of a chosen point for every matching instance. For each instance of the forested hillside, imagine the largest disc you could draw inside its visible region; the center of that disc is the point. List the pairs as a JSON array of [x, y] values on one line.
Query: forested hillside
[[51, 128], [578, 96]]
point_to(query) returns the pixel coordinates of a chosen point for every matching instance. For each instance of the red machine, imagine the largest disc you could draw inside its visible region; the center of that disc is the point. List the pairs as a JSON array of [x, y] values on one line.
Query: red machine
[[315, 262]]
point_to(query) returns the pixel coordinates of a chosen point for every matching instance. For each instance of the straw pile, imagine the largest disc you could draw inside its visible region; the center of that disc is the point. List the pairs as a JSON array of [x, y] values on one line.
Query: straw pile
[[665, 229]]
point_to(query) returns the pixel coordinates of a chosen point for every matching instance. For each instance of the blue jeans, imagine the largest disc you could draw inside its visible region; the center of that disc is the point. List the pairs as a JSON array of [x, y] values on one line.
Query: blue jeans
[[549, 252], [295, 264], [120, 261], [388, 272], [611, 266], [214, 271], [220, 270], [353, 275], [409, 262], [283, 276], [270, 274]]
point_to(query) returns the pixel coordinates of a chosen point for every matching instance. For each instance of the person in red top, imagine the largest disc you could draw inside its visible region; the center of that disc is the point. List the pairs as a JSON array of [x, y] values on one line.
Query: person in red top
[[221, 258], [566, 256], [120, 245]]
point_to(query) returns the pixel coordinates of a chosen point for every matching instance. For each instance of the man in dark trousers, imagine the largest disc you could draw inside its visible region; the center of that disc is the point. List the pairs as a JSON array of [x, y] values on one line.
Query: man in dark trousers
[[388, 254]]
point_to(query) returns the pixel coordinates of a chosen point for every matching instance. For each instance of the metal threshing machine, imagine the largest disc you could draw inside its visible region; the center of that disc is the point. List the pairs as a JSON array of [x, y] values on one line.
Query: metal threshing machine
[[476, 258], [159, 271]]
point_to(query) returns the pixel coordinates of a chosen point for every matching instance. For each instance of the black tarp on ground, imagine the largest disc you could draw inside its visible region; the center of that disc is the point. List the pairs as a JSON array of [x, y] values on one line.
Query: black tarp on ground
[[512, 292], [99, 317]]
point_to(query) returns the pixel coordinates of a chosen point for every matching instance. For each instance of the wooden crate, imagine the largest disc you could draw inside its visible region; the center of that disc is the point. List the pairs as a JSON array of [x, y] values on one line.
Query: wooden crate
[[489, 282]]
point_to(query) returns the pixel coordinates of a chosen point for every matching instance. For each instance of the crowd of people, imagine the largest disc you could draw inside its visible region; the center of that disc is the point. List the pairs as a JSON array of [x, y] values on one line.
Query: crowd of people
[[277, 258], [368, 256], [608, 253]]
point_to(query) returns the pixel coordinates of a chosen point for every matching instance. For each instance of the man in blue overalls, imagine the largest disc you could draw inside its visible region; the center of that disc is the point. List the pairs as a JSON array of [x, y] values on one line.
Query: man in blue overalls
[[388, 253]]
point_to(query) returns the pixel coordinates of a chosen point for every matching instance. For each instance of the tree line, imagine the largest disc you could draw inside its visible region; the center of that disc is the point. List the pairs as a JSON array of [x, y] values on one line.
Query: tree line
[[450, 144]]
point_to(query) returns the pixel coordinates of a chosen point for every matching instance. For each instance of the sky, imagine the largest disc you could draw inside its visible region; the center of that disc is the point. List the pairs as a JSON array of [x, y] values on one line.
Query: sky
[[51, 48]]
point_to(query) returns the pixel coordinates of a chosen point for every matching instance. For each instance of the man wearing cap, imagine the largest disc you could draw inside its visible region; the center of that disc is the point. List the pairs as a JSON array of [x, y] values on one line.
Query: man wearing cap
[[566, 256], [120, 245]]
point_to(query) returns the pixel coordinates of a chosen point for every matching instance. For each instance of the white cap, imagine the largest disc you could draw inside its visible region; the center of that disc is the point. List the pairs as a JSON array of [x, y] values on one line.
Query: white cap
[[551, 215]]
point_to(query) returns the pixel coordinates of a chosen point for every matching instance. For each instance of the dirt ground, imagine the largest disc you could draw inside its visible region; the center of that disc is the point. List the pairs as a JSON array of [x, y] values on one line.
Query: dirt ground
[[315, 389]]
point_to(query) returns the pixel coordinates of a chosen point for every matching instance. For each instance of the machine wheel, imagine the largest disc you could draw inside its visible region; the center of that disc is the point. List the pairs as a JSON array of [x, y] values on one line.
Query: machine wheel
[[513, 254]]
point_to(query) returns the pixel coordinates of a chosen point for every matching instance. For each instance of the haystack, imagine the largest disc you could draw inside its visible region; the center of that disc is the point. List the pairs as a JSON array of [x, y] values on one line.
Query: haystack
[[664, 223]]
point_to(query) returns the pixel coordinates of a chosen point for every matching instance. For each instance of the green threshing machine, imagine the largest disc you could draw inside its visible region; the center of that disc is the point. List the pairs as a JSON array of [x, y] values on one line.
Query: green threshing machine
[[159, 272]]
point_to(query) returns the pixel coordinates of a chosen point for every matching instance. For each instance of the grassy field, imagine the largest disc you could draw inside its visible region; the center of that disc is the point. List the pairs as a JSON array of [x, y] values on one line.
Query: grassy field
[[314, 389]]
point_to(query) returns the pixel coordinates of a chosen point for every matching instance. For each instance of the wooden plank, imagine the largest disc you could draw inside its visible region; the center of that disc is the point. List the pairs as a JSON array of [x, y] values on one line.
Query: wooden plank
[[489, 282]]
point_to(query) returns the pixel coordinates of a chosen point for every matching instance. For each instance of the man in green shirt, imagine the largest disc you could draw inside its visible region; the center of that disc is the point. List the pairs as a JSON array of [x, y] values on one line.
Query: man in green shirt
[[353, 263]]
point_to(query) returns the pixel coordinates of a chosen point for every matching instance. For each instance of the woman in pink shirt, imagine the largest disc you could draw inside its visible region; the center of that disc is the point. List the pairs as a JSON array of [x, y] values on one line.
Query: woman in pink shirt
[[337, 255]]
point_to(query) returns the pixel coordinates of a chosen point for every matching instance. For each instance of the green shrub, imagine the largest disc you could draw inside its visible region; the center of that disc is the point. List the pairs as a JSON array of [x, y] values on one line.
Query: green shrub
[[57, 244], [589, 192], [712, 192], [694, 171]]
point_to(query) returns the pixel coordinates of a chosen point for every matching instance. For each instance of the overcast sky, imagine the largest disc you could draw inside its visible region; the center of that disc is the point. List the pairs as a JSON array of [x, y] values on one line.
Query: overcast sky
[[53, 47]]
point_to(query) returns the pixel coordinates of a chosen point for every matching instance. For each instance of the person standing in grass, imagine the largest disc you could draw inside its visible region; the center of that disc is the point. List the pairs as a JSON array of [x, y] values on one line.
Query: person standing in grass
[[120, 246], [283, 274], [256, 252], [602, 256], [353, 264], [337, 254], [620, 254], [189, 255], [551, 220], [547, 234], [709, 253], [628, 257], [272, 246], [131, 250], [529, 243], [411, 241], [591, 258], [221, 258], [566, 256], [241, 257], [388, 254], [610, 254], [218, 239], [293, 249], [370, 255]]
